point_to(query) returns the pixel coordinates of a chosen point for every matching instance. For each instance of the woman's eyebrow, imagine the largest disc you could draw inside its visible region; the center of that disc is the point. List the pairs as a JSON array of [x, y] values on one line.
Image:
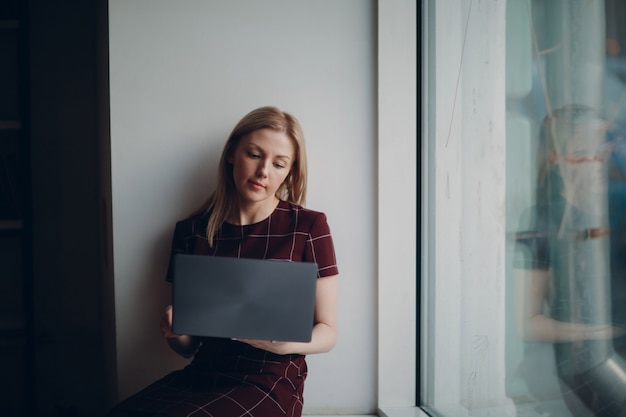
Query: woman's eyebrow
[[263, 150]]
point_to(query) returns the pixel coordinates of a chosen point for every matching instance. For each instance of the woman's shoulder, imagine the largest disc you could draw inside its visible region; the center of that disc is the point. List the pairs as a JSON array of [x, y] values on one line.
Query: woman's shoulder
[[304, 220], [192, 224], [302, 213]]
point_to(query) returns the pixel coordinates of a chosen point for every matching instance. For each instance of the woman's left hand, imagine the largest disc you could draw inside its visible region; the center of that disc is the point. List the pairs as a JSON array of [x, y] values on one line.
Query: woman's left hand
[[279, 348], [324, 333]]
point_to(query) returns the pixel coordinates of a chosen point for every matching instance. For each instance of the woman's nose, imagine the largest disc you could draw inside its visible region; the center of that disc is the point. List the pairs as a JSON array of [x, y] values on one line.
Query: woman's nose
[[262, 168]]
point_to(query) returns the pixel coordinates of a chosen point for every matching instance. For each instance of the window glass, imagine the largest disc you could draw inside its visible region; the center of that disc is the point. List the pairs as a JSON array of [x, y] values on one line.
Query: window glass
[[569, 245], [524, 289]]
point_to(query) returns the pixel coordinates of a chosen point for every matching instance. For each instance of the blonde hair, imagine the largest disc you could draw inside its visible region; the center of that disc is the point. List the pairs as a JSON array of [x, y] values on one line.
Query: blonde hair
[[223, 200]]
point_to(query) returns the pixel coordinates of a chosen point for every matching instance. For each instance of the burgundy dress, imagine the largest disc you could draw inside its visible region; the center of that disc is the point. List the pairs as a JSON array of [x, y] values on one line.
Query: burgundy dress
[[228, 378]]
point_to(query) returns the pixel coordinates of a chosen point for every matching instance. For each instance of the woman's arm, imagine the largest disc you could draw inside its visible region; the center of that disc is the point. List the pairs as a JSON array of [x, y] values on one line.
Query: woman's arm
[[184, 345], [531, 290], [324, 329]]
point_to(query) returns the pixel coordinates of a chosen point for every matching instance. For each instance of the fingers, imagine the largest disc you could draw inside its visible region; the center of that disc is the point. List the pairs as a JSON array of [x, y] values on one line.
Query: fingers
[[273, 346], [166, 322]]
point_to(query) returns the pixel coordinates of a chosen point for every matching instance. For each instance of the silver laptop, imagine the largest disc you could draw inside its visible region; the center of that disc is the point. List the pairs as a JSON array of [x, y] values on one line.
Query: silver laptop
[[243, 298]]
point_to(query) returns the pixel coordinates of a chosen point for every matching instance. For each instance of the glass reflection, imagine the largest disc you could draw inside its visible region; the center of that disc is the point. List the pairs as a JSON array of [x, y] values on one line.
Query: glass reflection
[[570, 259]]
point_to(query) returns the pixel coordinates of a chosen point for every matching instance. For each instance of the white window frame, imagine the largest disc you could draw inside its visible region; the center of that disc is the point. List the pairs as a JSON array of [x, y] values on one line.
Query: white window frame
[[397, 207], [456, 265]]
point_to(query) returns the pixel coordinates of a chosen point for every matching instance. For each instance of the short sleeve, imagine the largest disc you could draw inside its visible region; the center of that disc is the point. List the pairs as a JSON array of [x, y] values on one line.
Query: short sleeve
[[182, 241], [532, 249], [320, 248]]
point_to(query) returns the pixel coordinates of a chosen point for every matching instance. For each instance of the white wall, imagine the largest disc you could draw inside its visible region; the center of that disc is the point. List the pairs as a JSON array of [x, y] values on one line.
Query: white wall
[[181, 75]]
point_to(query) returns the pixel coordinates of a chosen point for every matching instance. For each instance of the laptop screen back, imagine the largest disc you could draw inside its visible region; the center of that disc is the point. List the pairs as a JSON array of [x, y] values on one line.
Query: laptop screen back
[[243, 298]]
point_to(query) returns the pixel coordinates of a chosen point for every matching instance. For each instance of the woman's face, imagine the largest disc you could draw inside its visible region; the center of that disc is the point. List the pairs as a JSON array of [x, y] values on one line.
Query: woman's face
[[261, 162]]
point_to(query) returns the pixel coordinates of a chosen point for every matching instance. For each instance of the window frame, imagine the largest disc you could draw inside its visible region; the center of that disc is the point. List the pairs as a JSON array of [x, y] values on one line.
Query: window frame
[[398, 163]]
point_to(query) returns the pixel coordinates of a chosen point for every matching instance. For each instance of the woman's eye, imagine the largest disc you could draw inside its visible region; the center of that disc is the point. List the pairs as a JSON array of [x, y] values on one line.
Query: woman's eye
[[279, 165], [254, 155]]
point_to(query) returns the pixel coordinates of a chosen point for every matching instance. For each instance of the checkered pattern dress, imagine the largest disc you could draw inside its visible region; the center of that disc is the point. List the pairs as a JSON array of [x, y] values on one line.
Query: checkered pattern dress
[[227, 378]]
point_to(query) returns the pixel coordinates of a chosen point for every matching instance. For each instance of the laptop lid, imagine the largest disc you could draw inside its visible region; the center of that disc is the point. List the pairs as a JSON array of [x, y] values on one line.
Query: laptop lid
[[243, 298]]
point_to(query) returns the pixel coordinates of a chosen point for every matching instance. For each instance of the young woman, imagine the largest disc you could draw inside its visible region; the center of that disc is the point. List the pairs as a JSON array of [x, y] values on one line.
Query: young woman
[[255, 212]]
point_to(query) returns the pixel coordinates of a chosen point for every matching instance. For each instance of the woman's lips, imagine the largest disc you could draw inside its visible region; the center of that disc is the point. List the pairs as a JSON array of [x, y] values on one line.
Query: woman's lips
[[256, 185]]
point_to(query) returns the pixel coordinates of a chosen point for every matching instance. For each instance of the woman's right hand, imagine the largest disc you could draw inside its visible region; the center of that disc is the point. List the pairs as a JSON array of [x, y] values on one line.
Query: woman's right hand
[[184, 345], [166, 323]]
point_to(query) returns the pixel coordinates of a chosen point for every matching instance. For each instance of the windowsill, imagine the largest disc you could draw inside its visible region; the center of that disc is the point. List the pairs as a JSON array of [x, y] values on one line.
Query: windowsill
[[333, 415], [402, 412], [336, 415], [385, 412]]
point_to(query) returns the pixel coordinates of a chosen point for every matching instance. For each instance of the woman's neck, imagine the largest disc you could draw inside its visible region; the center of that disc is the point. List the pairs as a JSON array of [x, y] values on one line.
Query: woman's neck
[[251, 213]]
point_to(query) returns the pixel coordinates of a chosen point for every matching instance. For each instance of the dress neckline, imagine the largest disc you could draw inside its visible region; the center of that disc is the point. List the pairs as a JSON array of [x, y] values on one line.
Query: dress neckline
[[260, 222]]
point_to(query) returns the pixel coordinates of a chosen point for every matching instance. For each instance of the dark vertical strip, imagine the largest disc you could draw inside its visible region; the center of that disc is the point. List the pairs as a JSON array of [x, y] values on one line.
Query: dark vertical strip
[[103, 122], [418, 233], [30, 365]]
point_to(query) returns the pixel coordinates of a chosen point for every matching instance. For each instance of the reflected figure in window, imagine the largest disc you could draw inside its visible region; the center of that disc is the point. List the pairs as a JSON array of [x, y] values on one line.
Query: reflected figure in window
[[571, 269]]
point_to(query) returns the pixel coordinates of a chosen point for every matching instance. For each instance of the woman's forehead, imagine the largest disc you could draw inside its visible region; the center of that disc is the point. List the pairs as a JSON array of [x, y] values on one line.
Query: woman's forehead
[[269, 140]]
